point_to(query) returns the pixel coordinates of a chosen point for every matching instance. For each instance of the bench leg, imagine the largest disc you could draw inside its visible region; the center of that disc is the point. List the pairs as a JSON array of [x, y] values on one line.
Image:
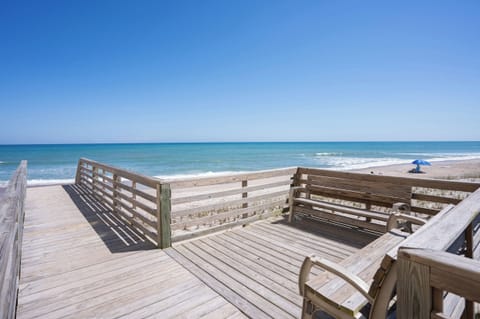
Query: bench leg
[[290, 204], [308, 309]]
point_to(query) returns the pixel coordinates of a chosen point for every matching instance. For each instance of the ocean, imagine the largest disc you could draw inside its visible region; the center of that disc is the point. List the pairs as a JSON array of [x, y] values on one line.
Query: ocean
[[50, 164]]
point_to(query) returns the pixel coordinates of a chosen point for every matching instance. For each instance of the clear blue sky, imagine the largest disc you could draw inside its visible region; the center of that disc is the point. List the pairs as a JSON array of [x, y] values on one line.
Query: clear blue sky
[[169, 71]]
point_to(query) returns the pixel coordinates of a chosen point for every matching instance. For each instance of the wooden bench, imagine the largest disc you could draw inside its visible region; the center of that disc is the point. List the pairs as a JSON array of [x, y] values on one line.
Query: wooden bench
[[369, 276], [352, 201]]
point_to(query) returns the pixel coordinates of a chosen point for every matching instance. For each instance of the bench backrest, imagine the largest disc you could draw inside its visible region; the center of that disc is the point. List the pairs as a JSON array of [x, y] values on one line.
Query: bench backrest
[[424, 195], [352, 189]]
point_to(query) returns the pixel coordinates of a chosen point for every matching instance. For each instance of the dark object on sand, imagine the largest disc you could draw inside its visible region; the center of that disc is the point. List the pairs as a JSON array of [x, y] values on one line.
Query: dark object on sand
[[419, 162]]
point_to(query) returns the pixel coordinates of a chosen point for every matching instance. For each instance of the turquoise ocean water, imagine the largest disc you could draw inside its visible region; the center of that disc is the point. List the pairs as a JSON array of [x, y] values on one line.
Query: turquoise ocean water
[[57, 163]]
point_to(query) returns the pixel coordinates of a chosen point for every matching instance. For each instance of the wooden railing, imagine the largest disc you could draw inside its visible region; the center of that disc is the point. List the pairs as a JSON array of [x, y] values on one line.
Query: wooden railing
[[424, 275], [12, 214], [188, 207], [172, 210], [141, 201], [203, 205], [378, 192]]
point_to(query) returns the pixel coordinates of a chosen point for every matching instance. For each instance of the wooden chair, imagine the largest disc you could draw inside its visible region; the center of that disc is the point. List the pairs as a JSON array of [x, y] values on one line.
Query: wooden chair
[[369, 276]]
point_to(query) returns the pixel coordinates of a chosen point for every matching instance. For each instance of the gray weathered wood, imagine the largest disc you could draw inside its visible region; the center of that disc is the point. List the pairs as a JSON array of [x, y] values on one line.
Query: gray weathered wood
[[83, 262], [212, 195], [11, 235], [194, 182], [255, 267], [428, 183], [414, 294], [109, 185], [164, 218]]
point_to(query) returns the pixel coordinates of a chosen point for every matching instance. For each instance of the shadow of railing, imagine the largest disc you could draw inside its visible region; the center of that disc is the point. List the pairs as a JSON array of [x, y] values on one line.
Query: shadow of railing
[[116, 234]]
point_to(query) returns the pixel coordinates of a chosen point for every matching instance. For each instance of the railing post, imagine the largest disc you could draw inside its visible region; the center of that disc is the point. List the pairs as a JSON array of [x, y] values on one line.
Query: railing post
[[245, 195], [414, 294], [94, 180], [134, 196], [164, 206], [78, 173], [368, 206], [469, 243], [116, 180]]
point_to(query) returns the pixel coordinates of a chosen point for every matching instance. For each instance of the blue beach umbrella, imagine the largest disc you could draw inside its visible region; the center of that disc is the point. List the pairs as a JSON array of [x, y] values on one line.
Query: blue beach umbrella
[[419, 162]]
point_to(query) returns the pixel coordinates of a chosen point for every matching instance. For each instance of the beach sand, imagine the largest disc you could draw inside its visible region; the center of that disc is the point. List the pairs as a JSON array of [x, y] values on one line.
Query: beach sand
[[452, 170]]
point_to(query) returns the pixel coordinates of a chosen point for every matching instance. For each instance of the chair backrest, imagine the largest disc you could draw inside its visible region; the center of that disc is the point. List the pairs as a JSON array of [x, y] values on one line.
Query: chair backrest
[[384, 280]]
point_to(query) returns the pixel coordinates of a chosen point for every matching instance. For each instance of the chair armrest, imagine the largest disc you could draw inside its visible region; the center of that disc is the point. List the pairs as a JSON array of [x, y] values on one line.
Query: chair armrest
[[393, 219], [335, 269]]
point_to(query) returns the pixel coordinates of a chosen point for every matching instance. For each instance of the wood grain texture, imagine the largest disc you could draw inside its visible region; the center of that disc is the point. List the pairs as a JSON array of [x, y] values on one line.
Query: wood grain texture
[[195, 182], [414, 296], [256, 267], [11, 236], [82, 261]]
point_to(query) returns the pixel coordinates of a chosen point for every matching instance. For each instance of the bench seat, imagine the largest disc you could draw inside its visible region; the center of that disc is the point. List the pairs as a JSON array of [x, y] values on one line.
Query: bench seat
[[348, 215], [343, 209]]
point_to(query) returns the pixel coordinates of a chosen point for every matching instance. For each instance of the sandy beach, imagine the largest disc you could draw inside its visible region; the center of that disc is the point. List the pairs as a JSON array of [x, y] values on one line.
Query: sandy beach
[[452, 170]]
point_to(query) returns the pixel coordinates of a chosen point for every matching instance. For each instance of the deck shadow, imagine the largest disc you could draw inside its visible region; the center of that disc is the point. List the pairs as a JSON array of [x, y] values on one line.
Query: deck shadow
[[329, 230], [116, 234]]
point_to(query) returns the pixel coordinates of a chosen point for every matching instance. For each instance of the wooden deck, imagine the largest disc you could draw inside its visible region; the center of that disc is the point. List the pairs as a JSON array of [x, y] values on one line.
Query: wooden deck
[[256, 267], [80, 261]]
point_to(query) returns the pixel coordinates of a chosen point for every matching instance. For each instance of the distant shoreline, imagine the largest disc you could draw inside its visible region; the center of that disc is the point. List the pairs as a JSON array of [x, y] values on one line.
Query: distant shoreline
[[449, 169]]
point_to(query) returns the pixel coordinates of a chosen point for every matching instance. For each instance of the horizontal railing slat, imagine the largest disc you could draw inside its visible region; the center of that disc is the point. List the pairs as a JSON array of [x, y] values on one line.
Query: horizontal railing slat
[[138, 192], [189, 199], [149, 210], [195, 182], [227, 204], [436, 199], [134, 213], [142, 179], [229, 214]]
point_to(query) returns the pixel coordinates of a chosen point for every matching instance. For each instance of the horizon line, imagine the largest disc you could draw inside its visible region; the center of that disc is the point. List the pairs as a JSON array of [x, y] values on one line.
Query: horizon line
[[242, 142]]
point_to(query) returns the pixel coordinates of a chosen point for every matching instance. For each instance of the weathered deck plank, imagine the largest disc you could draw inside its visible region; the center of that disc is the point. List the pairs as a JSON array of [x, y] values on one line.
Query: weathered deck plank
[[80, 261], [256, 267]]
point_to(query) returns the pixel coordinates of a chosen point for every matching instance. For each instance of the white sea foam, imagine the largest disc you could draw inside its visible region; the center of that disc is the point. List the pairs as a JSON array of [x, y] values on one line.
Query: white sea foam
[[347, 163], [44, 182], [328, 154], [443, 155], [454, 158], [199, 175]]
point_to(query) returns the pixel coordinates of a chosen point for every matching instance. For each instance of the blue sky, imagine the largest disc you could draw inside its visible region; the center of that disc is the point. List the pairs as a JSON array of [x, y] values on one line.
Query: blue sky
[[172, 71]]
